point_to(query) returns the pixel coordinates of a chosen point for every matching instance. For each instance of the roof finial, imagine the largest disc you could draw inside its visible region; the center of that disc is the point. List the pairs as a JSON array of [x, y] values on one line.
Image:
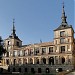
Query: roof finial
[[13, 30], [13, 21], [63, 15]]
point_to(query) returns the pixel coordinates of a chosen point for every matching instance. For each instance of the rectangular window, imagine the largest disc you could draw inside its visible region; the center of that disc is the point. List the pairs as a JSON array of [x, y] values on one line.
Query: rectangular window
[[62, 49], [21, 53], [8, 42], [36, 50], [17, 43], [50, 49], [62, 40], [62, 33], [14, 53], [43, 50]]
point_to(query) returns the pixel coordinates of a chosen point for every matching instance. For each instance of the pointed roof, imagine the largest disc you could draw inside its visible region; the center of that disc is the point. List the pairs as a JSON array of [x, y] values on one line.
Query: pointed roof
[[64, 24], [13, 29], [13, 34]]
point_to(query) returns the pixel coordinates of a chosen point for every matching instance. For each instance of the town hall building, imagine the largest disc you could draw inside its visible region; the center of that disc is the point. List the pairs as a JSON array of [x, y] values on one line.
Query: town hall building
[[43, 57]]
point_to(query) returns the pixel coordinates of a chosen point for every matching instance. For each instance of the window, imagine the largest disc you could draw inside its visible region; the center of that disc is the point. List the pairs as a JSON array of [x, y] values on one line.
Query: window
[[62, 40], [50, 49], [43, 50], [31, 51], [56, 41], [14, 53], [19, 69], [62, 33], [47, 70], [36, 51], [32, 70], [20, 53], [17, 43], [62, 49], [7, 61], [8, 42], [25, 69], [7, 54], [39, 70]]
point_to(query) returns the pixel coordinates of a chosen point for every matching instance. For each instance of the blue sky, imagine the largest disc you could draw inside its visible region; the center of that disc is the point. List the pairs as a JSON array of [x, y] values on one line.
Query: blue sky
[[34, 19]]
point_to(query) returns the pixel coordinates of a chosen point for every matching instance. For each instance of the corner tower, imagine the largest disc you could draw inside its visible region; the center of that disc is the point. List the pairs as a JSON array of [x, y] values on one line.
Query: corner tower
[[12, 41], [64, 40]]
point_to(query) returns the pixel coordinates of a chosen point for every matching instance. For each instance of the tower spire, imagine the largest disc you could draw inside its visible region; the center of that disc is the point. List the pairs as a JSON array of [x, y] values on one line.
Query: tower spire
[[13, 29], [63, 15]]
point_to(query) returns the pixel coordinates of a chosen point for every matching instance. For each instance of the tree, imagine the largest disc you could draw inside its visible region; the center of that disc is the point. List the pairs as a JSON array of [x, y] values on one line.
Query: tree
[[2, 50]]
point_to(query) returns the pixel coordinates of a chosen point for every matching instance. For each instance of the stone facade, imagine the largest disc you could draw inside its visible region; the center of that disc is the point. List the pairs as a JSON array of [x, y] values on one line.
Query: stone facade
[[45, 57]]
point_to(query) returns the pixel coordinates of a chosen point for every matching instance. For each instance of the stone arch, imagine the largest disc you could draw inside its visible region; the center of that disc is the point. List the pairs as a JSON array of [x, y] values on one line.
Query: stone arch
[[31, 61], [24, 61], [19, 60], [62, 60], [7, 61], [14, 61], [51, 60], [37, 61], [44, 60]]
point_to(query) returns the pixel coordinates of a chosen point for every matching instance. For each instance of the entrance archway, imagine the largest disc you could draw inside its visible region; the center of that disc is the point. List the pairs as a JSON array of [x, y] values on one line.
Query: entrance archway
[[51, 61]]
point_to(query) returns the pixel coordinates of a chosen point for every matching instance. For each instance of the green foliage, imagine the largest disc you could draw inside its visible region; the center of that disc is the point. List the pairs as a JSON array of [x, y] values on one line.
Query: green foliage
[[2, 50]]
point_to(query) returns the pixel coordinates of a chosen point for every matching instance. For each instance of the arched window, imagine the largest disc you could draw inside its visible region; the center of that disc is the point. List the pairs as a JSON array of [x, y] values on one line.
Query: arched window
[[24, 61], [62, 60], [31, 61], [37, 61], [7, 61], [51, 61], [14, 61], [44, 60]]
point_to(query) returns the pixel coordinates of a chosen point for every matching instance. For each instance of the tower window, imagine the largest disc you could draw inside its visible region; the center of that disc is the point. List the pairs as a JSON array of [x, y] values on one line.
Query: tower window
[[62, 40], [62, 49], [8, 42], [62, 33], [17, 43]]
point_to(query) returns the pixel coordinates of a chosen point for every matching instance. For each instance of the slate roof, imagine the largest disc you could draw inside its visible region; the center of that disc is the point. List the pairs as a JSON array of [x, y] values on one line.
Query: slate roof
[[63, 26]]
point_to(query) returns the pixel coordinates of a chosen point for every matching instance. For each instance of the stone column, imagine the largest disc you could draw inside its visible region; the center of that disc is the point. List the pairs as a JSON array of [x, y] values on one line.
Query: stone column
[[47, 50], [47, 60], [28, 61], [40, 62], [21, 60], [33, 60]]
